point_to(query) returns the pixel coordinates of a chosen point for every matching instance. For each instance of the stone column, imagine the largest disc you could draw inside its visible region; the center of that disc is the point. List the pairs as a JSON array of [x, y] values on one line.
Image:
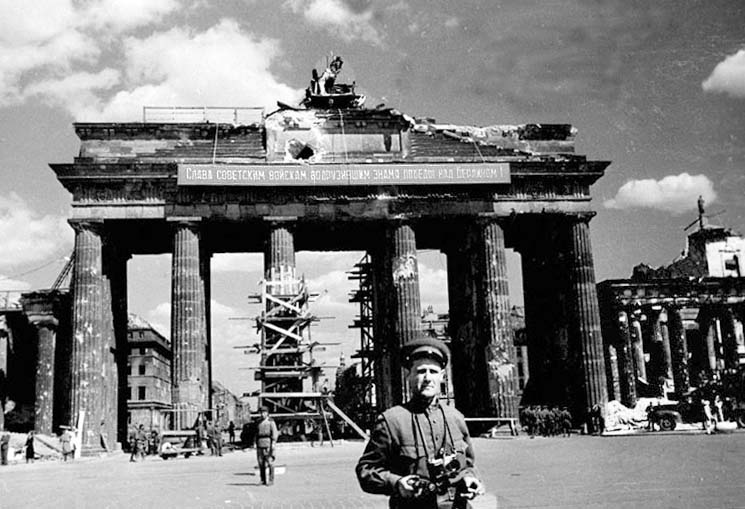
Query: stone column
[[401, 248], [401, 242], [39, 308], [712, 327], [498, 339], [679, 349], [737, 326], [117, 347], [627, 375], [279, 260], [388, 388], [729, 339], [87, 389], [586, 313], [188, 324], [637, 342], [281, 279], [667, 352], [205, 261], [483, 342], [612, 372], [659, 367]]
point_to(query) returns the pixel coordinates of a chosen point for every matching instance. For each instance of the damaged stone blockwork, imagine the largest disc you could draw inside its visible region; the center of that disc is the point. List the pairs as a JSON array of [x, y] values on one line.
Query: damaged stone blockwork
[[680, 326]]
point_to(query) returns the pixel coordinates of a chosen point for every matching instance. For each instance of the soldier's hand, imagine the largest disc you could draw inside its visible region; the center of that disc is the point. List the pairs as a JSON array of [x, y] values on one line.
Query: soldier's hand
[[473, 487], [405, 486]]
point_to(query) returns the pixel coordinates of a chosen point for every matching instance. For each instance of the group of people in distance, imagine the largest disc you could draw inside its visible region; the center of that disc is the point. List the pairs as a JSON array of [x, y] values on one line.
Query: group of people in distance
[[546, 421], [142, 443]]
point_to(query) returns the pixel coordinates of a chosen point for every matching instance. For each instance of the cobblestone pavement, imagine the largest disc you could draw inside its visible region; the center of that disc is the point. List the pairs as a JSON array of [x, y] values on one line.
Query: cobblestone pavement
[[648, 471]]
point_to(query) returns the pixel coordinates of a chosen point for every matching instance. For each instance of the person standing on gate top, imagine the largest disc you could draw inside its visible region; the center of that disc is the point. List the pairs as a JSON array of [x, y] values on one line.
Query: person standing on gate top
[[266, 438], [420, 453]]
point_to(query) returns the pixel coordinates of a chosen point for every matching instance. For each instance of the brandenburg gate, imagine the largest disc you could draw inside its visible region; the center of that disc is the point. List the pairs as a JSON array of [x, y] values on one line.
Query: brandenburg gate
[[372, 180]]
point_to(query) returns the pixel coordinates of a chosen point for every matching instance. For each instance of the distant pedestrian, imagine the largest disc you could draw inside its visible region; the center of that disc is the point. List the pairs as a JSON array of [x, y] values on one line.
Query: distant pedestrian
[[246, 438], [154, 444], [266, 438], [68, 447], [650, 417], [709, 423], [566, 422], [139, 446], [30, 453], [718, 405], [200, 434], [4, 447], [231, 432], [211, 443]]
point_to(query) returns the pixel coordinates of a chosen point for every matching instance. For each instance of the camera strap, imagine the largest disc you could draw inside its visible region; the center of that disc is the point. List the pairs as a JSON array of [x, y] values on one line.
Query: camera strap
[[418, 431]]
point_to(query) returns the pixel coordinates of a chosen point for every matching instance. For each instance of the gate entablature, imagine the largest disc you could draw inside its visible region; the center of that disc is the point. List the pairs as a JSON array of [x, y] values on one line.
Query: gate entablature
[[325, 165]]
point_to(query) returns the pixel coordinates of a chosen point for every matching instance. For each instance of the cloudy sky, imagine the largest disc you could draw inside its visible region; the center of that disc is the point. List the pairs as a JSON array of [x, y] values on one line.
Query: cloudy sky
[[658, 88]]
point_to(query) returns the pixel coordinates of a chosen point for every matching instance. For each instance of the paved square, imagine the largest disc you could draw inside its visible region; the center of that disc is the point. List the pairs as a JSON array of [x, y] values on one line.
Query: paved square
[[646, 471]]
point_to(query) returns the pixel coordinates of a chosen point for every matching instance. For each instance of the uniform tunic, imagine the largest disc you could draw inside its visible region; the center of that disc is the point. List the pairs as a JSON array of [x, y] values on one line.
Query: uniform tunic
[[266, 437], [403, 439]]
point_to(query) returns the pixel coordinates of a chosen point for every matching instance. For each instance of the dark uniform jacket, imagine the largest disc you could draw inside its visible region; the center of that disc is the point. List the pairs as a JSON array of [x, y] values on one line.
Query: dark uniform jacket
[[403, 439]]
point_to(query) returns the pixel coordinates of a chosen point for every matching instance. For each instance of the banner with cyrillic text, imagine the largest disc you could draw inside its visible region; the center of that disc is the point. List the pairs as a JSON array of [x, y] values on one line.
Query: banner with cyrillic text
[[342, 175]]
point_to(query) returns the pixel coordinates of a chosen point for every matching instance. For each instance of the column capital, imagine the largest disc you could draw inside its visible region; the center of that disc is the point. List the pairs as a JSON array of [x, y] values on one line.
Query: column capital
[[40, 307], [95, 225]]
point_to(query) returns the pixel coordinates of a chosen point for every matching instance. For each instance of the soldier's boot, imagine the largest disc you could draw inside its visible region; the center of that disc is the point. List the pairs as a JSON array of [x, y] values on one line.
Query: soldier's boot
[[271, 474], [262, 470]]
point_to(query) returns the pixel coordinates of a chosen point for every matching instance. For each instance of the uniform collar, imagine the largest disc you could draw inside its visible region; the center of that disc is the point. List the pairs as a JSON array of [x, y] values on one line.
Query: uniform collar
[[418, 405]]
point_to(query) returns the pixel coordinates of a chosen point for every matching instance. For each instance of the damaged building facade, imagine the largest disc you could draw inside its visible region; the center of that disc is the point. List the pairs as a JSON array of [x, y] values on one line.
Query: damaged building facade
[[347, 179], [670, 329]]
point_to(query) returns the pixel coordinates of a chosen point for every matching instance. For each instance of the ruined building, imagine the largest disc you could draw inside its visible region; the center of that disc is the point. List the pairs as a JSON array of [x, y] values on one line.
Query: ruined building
[[148, 375], [668, 329], [336, 176]]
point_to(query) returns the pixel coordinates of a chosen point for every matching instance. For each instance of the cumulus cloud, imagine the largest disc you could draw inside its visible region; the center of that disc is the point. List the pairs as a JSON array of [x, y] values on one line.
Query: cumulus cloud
[[28, 237], [221, 66], [338, 18], [728, 76], [47, 39], [122, 15], [57, 52], [674, 193]]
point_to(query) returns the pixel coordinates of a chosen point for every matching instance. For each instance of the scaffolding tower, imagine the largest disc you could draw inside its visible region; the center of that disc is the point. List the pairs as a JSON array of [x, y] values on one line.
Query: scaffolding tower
[[363, 295], [287, 370]]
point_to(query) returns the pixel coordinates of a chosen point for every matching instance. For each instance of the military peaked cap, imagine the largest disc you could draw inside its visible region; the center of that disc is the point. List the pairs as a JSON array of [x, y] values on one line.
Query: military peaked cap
[[425, 347], [264, 408]]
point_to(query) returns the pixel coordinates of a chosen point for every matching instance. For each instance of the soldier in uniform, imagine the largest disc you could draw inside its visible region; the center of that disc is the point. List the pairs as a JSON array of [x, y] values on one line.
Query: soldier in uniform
[[266, 437], [420, 453]]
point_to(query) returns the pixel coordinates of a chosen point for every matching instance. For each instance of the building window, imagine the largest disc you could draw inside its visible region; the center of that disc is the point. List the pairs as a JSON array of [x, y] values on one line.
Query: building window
[[141, 369], [129, 392], [142, 351], [141, 393]]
